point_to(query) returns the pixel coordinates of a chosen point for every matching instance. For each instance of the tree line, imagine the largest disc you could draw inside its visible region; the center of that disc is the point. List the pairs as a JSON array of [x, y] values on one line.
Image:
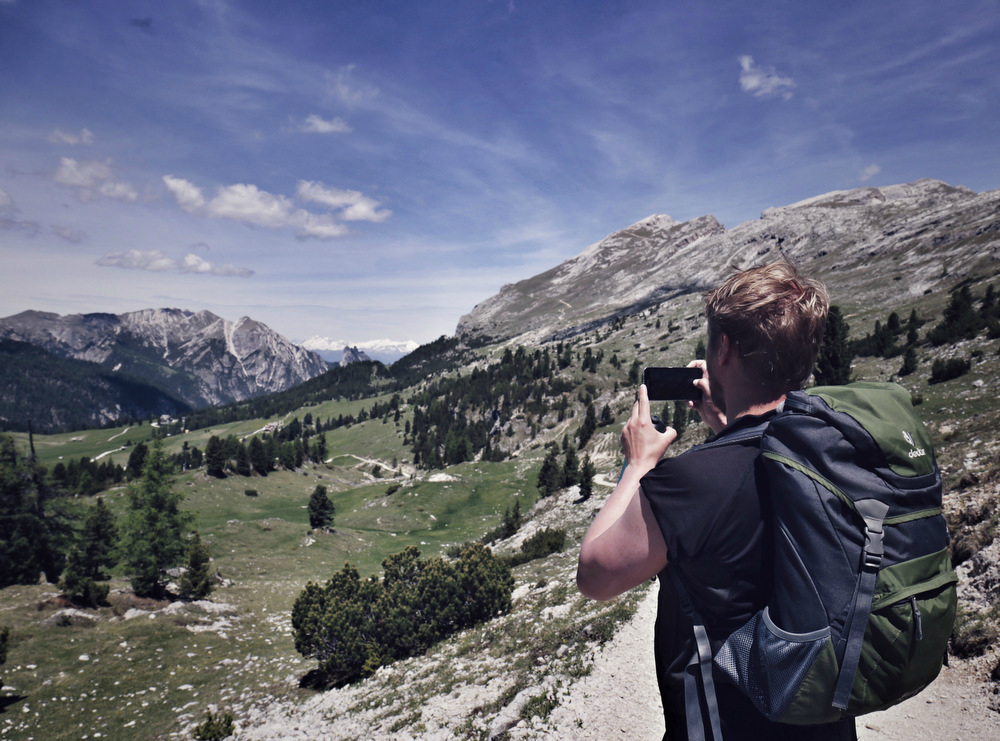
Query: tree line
[[39, 535]]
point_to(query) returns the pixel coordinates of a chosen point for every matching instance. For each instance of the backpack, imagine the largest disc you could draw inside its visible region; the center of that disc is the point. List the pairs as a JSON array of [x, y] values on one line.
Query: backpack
[[864, 596]]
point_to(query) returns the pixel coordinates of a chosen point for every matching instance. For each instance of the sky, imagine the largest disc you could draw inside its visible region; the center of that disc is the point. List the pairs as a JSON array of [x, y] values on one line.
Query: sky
[[365, 169]]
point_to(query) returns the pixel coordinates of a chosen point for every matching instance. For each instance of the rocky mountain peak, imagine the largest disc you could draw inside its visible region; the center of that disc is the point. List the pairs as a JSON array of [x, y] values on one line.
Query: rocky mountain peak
[[352, 355], [196, 356], [911, 235]]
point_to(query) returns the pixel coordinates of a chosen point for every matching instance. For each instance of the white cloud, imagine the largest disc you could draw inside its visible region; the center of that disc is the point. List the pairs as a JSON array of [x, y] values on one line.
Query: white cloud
[[246, 203], [157, 262], [195, 264], [70, 235], [316, 125], [869, 172], [6, 202], [763, 82], [92, 179], [356, 206], [187, 194], [86, 136]]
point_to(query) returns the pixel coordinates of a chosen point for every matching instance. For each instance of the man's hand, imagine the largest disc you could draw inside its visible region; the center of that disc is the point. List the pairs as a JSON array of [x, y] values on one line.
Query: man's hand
[[642, 443], [711, 415]]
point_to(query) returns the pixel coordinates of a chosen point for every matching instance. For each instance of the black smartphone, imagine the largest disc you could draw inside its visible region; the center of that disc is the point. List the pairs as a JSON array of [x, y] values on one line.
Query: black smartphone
[[664, 384]]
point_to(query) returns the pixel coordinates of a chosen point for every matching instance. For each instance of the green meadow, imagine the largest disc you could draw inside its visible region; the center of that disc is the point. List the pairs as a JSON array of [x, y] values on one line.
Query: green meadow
[[137, 670]]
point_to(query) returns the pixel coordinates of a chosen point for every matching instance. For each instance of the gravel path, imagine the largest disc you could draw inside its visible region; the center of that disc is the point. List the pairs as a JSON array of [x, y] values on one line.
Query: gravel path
[[619, 699]]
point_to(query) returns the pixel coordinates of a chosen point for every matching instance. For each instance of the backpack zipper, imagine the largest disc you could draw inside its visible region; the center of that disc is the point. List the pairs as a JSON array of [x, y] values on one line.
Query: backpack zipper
[[916, 617]]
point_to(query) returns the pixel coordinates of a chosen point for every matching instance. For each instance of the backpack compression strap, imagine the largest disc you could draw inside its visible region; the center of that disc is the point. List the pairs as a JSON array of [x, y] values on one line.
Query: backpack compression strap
[[873, 511]]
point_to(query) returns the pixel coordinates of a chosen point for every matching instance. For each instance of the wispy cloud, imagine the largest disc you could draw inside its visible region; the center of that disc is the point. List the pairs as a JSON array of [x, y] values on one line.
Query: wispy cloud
[[10, 216], [92, 180], [86, 137], [343, 87], [157, 262], [763, 82], [356, 206], [869, 172], [248, 204], [73, 236], [316, 125]]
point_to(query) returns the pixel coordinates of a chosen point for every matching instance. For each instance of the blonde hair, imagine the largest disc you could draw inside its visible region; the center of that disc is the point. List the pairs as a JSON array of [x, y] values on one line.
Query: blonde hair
[[775, 319]]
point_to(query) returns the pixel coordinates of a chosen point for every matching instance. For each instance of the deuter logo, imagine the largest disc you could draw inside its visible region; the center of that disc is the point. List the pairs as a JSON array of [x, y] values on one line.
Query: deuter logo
[[916, 452]]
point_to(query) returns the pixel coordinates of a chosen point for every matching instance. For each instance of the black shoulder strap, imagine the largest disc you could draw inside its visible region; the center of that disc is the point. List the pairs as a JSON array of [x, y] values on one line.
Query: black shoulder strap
[[699, 663]]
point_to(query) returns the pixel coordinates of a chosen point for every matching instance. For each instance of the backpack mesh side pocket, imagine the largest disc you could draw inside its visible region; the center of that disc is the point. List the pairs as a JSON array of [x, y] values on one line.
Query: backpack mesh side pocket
[[772, 666]]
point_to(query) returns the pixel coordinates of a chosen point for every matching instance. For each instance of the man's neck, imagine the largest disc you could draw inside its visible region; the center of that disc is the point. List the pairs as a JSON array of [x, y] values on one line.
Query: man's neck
[[755, 408]]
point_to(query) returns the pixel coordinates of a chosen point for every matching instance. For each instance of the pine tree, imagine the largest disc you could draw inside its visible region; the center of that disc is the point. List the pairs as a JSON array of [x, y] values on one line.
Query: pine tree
[[196, 581], [833, 366], [98, 539], [27, 547], [152, 534], [588, 427], [242, 460], [909, 362], [680, 417], [258, 457], [571, 468], [321, 509], [215, 458], [587, 473], [550, 475], [78, 586], [133, 469]]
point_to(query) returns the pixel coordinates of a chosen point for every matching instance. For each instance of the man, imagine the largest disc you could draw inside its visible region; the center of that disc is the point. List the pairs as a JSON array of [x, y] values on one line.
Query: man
[[702, 511]]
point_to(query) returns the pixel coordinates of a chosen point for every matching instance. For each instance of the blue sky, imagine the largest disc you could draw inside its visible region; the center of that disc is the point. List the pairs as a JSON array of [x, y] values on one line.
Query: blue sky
[[369, 169]]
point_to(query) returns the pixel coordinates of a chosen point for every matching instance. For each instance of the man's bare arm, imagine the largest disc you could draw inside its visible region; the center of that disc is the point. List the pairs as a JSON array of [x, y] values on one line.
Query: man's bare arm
[[624, 546]]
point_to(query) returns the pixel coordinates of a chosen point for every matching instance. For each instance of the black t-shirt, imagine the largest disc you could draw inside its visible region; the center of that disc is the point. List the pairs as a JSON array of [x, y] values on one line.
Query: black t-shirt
[[707, 504]]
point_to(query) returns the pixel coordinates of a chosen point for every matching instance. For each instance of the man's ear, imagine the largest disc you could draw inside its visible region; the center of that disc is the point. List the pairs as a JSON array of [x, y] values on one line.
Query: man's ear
[[724, 350]]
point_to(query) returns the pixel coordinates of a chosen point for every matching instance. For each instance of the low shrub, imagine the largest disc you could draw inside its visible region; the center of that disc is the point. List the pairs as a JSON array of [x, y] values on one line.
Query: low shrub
[[974, 632], [215, 727], [946, 370], [353, 626], [541, 544]]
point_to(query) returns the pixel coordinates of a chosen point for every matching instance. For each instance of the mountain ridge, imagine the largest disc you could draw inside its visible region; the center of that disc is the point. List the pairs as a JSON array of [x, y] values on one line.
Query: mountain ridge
[[197, 357], [923, 232]]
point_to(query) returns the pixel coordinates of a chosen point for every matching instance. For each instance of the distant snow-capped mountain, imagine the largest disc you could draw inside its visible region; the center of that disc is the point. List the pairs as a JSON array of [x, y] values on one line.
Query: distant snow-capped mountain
[[386, 351]]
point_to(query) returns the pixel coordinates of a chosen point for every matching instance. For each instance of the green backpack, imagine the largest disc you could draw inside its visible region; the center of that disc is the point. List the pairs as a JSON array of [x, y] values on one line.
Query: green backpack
[[864, 595]]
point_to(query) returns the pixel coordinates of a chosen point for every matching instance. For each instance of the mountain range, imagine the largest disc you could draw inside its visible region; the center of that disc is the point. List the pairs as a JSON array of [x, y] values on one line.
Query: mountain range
[[922, 235], [195, 359], [920, 238]]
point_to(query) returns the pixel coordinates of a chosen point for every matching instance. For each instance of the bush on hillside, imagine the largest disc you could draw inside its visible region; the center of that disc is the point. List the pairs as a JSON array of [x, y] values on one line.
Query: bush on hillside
[[353, 625], [946, 370], [541, 544]]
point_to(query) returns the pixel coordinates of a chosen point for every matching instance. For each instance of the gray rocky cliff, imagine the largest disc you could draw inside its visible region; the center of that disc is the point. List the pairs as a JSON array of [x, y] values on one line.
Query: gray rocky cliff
[[197, 356], [918, 236]]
